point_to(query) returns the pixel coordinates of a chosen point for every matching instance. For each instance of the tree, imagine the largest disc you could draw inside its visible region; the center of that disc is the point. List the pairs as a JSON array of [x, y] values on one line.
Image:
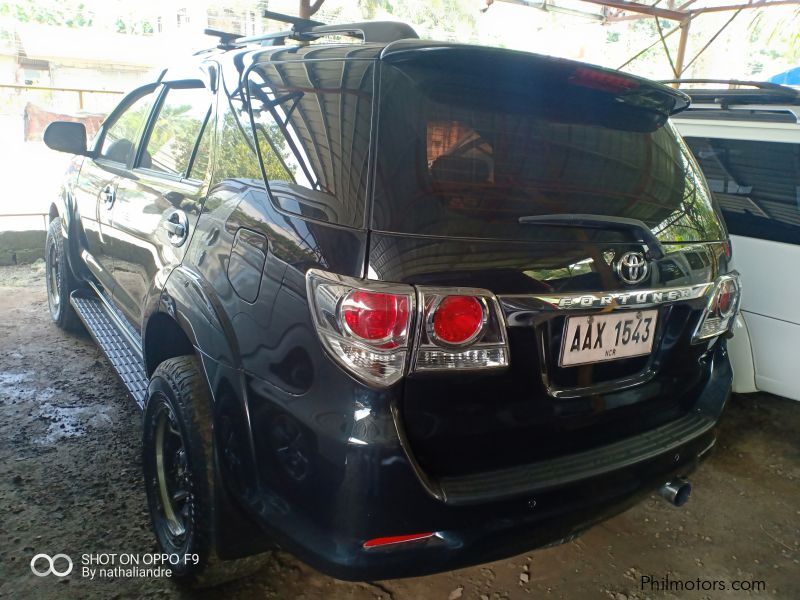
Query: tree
[[308, 8], [47, 12]]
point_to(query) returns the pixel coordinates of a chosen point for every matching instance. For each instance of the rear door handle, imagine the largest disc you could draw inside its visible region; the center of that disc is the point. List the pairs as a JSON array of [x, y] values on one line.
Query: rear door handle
[[177, 226]]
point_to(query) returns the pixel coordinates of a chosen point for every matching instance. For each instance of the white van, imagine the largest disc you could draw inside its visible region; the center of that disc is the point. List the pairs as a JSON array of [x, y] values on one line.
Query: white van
[[747, 141]]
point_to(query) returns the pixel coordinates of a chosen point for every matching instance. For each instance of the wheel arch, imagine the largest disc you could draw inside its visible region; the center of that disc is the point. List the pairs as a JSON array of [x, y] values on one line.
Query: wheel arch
[[163, 339]]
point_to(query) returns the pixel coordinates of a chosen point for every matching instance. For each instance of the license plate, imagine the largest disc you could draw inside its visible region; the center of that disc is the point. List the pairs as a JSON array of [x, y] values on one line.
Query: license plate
[[598, 338]]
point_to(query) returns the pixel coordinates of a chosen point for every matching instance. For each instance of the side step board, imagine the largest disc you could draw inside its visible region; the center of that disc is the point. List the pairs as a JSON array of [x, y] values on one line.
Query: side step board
[[120, 351]]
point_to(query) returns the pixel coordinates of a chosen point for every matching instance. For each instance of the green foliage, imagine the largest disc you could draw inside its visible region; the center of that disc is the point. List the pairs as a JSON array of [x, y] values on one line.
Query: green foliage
[[71, 14], [47, 12], [236, 158], [452, 16]]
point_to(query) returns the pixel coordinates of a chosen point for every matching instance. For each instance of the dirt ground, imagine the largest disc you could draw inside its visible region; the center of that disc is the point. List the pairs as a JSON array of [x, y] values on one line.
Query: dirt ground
[[70, 482]]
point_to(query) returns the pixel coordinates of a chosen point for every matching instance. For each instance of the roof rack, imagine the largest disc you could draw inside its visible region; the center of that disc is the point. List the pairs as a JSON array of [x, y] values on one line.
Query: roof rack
[[306, 30], [226, 39], [738, 92]]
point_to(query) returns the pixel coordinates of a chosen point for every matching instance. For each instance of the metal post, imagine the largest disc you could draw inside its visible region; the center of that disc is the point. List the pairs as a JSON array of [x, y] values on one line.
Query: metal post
[[80, 99]]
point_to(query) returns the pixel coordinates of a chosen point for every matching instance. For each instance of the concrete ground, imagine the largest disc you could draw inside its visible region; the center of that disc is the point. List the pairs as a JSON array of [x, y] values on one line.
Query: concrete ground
[[70, 482]]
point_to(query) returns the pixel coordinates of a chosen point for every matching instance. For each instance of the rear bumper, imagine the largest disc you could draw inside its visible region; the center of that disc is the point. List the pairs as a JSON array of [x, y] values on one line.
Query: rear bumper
[[370, 488]]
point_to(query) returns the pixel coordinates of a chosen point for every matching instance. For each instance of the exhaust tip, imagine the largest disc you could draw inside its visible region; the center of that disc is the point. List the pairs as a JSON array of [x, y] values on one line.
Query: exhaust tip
[[676, 491]]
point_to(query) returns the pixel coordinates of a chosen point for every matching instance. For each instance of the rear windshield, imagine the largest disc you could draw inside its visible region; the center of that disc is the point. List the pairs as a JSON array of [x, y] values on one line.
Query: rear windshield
[[468, 153]]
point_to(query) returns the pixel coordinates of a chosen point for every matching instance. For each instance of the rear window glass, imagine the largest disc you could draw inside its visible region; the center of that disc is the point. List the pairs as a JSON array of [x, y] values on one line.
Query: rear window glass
[[466, 155], [757, 185]]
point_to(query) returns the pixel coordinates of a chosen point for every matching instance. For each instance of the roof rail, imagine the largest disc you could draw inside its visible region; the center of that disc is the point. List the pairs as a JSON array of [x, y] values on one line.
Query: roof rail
[[737, 93], [306, 30], [762, 85]]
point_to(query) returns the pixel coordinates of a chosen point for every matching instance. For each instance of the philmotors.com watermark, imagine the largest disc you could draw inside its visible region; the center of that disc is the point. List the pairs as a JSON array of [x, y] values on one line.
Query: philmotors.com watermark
[[652, 583], [110, 565]]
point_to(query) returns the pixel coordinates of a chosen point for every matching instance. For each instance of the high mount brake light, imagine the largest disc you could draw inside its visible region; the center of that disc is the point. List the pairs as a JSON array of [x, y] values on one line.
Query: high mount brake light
[[366, 327], [600, 80], [720, 310]]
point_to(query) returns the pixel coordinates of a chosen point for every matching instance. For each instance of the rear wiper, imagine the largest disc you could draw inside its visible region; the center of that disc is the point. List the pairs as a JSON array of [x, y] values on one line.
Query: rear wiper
[[635, 226]]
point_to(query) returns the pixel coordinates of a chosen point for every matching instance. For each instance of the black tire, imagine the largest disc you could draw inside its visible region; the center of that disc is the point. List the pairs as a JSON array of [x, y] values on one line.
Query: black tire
[[177, 458], [178, 396], [61, 282]]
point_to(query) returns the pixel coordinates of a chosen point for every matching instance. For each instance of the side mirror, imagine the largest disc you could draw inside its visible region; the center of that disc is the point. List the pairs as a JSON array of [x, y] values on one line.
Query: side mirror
[[65, 136]]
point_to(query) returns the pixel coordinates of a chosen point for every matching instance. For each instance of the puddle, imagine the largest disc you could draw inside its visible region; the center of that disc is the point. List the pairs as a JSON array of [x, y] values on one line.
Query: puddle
[[72, 421], [12, 388], [65, 415]]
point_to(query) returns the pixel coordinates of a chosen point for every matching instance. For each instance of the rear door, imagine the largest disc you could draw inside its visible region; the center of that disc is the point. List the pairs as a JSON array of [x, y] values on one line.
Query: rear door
[[159, 200], [95, 192], [567, 193]]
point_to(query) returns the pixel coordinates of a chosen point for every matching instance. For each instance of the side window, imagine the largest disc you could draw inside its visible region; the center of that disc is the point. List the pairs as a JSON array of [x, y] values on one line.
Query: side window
[[122, 136], [235, 154], [199, 166], [757, 185], [175, 134]]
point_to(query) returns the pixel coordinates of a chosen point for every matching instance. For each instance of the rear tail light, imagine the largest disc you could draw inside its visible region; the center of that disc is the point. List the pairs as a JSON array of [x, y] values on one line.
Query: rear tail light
[[458, 320], [377, 318], [721, 308], [368, 326], [365, 326], [728, 249], [462, 329]]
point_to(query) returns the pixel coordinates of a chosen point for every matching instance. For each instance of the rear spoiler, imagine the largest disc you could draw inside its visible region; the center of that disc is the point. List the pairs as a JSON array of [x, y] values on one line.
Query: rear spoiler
[[626, 88]]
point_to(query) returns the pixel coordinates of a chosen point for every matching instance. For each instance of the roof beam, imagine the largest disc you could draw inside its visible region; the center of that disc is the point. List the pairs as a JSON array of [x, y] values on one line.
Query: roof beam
[[682, 12], [752, 4], [654, 11]]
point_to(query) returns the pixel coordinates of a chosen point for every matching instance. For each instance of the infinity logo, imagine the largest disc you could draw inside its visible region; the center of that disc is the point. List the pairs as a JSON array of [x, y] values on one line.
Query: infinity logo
[[51, 565]]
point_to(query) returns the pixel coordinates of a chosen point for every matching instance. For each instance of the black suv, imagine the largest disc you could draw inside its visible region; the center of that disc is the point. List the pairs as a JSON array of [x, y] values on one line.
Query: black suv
[[398, 306]]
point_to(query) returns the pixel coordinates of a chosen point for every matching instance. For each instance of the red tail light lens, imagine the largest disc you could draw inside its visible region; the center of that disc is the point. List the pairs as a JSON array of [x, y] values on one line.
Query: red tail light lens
[[728, 249], [725, 298], [375, 316], [458, 319]]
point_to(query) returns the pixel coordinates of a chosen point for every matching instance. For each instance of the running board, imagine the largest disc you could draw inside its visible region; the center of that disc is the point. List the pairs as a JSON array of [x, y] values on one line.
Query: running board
[[125, 359]]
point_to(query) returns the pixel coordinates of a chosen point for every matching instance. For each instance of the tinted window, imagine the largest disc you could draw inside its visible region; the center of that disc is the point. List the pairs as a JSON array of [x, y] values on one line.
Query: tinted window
[[122, 136], [757, 185], [236, 156], [467, 153], [181, 117], [313, 125], [202, 156]]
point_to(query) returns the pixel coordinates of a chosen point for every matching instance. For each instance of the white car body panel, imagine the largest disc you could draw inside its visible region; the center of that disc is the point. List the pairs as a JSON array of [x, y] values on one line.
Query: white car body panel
[[765, 348], [741, 355]]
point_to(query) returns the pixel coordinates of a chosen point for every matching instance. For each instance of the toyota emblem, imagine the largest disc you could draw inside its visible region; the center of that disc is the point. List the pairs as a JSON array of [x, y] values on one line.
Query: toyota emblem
[[632, 267]]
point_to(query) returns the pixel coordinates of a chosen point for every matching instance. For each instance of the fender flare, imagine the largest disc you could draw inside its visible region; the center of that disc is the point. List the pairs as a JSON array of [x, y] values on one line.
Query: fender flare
[[189, 299]]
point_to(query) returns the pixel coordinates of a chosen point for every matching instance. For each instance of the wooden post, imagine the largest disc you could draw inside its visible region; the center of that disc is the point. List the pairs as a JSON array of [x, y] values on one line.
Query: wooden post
[[681, 57]]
